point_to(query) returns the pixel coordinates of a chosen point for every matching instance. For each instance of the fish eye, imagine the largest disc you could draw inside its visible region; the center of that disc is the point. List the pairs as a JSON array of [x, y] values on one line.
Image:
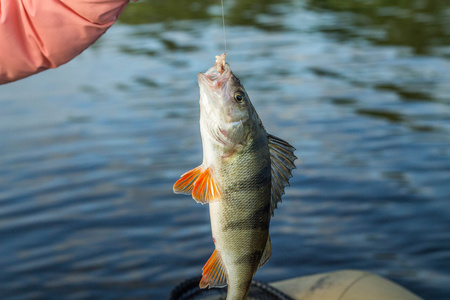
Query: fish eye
[[239, 96]]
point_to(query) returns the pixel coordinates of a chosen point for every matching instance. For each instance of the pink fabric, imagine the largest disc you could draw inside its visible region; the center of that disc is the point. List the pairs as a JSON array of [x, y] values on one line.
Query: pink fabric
[[39, 34]]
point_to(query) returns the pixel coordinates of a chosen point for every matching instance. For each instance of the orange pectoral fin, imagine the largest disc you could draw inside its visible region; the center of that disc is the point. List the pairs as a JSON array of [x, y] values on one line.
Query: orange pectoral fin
[[185, 184], [213, 274], [200, 183], [205, 188]]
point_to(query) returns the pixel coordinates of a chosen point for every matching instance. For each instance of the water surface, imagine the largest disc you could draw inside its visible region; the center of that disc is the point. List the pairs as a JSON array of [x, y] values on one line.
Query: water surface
[[89, 152]]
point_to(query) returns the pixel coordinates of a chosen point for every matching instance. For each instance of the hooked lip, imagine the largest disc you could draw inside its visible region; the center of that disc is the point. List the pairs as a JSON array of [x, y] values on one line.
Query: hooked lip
[[213, 78]]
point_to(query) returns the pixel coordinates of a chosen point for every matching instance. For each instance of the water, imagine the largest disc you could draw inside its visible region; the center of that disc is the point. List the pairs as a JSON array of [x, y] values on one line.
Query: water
[[89, 152]]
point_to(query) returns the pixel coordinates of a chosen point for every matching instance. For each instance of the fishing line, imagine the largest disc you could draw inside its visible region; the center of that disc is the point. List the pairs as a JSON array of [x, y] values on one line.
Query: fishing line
[[223, 24]]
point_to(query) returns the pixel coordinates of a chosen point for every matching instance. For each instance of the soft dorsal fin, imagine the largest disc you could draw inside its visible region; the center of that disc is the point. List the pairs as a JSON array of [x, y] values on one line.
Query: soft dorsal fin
[[214, 274], [282, 162], [200, 183], [266, 254]]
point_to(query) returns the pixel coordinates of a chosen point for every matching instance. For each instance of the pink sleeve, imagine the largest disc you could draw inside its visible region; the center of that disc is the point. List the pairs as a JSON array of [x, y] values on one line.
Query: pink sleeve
[[39, 34]]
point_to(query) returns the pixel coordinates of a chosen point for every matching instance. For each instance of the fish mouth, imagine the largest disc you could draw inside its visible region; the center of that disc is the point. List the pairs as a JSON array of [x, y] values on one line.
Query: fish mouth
[[213, 78]]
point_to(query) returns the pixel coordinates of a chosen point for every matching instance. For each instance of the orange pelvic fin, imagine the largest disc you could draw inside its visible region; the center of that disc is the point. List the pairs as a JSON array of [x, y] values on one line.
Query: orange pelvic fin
[[214, 274], [200, 183]]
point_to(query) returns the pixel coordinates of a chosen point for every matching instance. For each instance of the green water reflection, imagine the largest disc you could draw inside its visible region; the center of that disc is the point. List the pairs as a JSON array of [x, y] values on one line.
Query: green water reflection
[[244, 12], [162, 11], [418, 24]]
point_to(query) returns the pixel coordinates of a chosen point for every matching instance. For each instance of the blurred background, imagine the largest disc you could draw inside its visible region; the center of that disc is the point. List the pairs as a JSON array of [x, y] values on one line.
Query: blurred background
[[89, 152]]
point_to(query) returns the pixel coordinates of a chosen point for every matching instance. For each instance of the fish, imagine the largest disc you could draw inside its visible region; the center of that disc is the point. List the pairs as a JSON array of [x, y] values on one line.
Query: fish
[[242, 178]]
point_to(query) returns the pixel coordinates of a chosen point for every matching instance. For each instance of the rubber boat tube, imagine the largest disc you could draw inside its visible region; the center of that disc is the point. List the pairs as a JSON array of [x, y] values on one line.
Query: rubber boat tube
[[343, 285]]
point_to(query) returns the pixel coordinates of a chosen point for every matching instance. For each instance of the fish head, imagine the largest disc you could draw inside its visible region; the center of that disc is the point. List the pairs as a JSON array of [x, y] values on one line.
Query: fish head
[[226, 110]]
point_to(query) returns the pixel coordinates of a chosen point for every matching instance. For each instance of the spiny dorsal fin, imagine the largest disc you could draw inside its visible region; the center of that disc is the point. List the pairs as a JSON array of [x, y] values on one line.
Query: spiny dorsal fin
[[282, 162], [214, 274], [200, 183], [266, 254]]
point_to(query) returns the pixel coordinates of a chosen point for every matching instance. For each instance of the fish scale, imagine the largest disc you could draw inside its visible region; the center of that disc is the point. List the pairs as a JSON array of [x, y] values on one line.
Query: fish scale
[[240, 228], [242, 178]]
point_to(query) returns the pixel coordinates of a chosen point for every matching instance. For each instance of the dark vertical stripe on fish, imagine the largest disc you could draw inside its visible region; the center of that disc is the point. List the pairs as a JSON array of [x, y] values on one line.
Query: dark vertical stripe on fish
[[250, 259], [258, 220], [251, 183]]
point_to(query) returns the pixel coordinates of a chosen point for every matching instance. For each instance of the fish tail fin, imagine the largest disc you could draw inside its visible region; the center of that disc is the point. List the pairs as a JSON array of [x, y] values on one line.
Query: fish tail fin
[[214, 274]]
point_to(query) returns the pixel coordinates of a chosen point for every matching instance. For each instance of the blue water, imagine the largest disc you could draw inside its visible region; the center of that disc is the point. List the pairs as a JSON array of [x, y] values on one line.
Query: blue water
[[89, 152]]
